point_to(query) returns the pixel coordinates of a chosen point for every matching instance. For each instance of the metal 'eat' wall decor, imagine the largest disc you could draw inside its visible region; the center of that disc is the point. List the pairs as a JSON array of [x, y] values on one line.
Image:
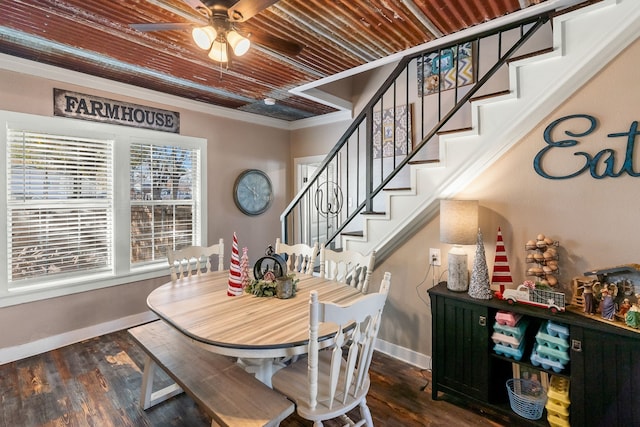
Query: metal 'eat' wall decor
[[601, 164]]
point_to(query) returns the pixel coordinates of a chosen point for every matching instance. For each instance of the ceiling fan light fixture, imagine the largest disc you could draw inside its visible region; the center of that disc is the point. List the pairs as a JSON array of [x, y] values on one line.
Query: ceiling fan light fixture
[[218, 51], [239, 44], [204, 36]]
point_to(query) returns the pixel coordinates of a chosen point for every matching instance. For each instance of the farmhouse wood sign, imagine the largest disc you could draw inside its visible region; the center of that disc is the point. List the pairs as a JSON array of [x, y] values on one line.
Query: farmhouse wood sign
[[604, 163], [88, 107]]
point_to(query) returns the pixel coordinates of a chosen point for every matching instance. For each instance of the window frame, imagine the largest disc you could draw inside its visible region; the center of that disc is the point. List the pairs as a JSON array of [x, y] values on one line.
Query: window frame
[[123, 270]]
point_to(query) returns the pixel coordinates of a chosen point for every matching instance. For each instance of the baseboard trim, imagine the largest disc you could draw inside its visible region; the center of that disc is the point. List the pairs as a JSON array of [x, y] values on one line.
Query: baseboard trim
[[11, 354], [402, 353]]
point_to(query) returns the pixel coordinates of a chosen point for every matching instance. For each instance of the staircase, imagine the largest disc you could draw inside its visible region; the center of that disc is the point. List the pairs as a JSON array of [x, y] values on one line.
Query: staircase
[[360, 201]]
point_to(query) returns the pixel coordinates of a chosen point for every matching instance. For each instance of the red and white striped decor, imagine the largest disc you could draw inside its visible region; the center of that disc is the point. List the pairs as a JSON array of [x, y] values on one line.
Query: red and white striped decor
[[501, 272], [235, 282]]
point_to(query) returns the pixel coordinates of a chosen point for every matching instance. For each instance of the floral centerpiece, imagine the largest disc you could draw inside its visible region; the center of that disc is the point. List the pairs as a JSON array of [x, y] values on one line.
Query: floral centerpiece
[[270, 286]]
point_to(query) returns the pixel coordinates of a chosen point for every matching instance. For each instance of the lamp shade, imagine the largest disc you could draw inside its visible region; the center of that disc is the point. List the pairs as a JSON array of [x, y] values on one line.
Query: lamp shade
[[239, 44], [458, 221], [218, 52], [204, 36]]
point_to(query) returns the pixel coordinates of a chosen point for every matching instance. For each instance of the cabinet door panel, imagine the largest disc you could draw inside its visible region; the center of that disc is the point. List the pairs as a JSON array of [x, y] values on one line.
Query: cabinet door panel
[[610, 372], [462, 357]]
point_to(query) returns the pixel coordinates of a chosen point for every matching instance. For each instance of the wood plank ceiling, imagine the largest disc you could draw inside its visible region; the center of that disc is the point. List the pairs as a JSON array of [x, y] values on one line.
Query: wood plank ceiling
[[94, 37]]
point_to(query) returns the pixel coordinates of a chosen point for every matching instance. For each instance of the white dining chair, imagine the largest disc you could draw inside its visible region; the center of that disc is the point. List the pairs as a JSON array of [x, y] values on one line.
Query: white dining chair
[[329, 383], [300, 258], [192, 260], [349, 267]]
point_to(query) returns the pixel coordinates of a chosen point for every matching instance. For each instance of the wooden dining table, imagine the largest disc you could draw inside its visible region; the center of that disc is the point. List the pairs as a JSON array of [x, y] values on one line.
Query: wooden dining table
[[260, 331]]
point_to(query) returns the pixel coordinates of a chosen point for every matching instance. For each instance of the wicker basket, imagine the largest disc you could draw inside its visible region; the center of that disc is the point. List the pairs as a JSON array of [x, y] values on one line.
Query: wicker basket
[[527, 398]]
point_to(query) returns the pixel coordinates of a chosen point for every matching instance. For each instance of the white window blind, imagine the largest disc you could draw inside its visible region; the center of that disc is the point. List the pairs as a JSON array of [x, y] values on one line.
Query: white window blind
[[164, 194], [60, 205]]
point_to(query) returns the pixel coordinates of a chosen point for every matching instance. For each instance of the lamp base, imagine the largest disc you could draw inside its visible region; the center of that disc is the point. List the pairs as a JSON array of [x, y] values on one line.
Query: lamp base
[[458, 273]]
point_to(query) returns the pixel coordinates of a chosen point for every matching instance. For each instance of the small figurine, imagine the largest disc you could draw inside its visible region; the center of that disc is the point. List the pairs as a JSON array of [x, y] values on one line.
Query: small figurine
[[608, 306], [632, 318], [613, 289], [624, 307], [587, 294]]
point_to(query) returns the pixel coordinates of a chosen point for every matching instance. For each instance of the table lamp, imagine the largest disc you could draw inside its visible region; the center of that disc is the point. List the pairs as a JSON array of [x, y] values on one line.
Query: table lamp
[[458, 226]]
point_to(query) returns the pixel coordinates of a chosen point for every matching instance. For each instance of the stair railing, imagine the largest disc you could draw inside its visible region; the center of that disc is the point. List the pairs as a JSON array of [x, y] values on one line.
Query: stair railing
[[374, 152]]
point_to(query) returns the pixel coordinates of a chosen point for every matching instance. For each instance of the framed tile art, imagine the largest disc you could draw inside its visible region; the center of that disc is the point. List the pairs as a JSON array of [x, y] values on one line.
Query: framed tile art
[[439, 69]]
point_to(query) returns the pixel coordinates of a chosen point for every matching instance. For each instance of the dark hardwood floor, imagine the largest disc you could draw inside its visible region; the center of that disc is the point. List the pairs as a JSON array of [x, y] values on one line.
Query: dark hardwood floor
[[97, 383]]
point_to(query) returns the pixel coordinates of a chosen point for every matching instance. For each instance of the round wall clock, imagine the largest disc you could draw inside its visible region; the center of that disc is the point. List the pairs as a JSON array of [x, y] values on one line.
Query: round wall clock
[[252, 192]]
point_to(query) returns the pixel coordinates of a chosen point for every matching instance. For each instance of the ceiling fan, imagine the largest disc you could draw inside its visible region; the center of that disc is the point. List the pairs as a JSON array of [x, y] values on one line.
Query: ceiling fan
[[220, 36]]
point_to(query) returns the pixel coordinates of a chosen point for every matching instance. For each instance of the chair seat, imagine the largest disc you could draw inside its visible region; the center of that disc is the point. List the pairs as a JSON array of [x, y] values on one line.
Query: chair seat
[[292, 381]]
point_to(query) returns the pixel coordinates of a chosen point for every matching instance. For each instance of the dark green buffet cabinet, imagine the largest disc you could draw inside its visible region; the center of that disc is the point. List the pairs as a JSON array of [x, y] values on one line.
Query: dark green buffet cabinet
[[603, 371]]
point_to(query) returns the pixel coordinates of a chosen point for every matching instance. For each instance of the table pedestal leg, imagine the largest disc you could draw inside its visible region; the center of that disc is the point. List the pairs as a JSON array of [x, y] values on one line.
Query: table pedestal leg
[[263, 369]]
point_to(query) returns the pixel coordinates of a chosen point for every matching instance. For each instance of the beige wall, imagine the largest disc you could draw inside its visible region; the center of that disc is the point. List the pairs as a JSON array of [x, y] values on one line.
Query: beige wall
[[318, 140], [232, 147], [595, 221]]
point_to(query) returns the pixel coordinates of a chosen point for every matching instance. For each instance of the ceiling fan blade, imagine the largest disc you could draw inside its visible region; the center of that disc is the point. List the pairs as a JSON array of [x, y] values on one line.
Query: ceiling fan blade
[[245, 9], [165, 26], [287, 47]]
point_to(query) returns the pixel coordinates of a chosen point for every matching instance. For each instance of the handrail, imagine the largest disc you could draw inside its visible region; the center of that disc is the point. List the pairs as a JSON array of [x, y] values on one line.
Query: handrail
[[341, 167]]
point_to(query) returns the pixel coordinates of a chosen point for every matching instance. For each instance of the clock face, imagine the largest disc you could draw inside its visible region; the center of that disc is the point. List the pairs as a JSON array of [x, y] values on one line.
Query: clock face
[[252, 192]]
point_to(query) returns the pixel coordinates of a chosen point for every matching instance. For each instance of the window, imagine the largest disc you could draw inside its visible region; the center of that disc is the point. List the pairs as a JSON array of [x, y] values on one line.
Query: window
[[162, 182], [89, 205], [60, 204]]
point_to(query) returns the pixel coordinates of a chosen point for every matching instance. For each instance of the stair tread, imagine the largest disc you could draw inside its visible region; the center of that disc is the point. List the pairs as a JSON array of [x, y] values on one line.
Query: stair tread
[[396, 189], [446, 132], [421, 162], [490, 95], [373, 213], [530, 54], [353, 233]]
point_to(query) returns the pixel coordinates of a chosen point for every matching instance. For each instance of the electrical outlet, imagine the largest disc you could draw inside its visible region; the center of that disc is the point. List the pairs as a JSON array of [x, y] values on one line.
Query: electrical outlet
[[434, 257]]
